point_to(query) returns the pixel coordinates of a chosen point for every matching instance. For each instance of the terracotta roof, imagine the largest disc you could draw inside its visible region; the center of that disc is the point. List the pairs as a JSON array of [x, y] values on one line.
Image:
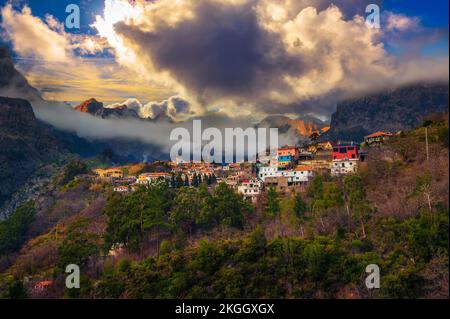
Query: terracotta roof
[[303, 168], [45, 283], [377, 134], [287, 148]]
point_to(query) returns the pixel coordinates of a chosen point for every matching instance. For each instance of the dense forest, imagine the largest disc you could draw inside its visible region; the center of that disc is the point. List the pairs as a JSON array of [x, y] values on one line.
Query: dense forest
[[207, 242]]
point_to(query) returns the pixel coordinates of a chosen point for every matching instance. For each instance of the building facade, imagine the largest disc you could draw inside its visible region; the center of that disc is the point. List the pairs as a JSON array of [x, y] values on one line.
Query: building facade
[[250, 188], [344, 167], [377, 138], [152, 178]]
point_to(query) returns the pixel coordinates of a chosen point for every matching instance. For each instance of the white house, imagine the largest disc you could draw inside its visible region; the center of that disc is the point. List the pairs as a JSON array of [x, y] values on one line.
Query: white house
[[121, 189], [344, 167], [250, 188], [267, 171], [299, 175]]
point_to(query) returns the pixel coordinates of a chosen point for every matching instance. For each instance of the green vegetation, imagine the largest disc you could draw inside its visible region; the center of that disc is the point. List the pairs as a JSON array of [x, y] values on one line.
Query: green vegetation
[[153, 211], [13, 230], [70, 170], [207, 242]]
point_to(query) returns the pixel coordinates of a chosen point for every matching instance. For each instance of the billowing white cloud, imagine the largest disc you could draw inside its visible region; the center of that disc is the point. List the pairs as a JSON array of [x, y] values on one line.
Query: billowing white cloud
[[174, 107], [240, 57], [401, 22], [268, 55], [32, 37], [45, 38], [54, 62]]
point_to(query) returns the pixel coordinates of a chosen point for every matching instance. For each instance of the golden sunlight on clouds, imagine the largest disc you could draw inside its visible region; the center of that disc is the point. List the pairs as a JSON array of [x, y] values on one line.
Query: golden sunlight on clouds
[[48, 60], [235, 56], [31, 37], [81, 79]]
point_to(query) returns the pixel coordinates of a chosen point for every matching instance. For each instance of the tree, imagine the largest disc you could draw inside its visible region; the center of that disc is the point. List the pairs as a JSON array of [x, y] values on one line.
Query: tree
[[155, 207], [316, 258], [14, 229], [186, 209], [423, 187], [70, 170], [179, 181], [356, 200], [254, 245], [228, 208], [132, 218], [315, 190], [300, 209], [78, 246], [173, 183], [17, 290], [324, 198], [273, 203], [195, 180]]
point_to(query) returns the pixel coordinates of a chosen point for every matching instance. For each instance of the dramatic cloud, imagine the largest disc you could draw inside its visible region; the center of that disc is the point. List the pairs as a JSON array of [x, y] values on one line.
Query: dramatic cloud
[[236, 57], [270, 55], [174, 107], [52, 60], [31, 37]]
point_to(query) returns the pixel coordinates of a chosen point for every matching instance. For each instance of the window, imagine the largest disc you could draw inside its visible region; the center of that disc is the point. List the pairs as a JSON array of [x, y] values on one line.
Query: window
[[351, 148], [343, 150]]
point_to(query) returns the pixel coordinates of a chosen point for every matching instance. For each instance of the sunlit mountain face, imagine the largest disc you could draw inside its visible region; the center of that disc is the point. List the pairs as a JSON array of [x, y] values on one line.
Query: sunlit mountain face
[[233, 57]]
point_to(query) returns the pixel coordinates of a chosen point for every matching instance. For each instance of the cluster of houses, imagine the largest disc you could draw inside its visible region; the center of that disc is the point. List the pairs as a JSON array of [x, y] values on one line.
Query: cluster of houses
[[288, 168]]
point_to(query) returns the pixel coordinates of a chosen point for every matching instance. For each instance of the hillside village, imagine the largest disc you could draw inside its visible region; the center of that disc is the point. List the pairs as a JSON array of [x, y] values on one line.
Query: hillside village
[[352, 203], [291, 168], [302, 223]]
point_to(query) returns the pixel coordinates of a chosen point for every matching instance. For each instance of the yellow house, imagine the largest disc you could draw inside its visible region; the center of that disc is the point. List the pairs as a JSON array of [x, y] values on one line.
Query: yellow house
[[325, 146], [150, 178], [312, 149], [109, 173]]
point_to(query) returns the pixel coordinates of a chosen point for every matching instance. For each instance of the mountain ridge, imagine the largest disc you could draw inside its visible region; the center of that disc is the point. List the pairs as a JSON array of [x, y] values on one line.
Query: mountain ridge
[[24, 145], [389, 110]]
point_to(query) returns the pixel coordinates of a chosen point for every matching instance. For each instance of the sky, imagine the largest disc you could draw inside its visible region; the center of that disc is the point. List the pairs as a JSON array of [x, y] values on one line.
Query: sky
[[239, 58]]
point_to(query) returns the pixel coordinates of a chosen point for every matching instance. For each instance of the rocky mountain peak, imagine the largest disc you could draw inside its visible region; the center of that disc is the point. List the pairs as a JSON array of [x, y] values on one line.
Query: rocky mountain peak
[[91, 106]]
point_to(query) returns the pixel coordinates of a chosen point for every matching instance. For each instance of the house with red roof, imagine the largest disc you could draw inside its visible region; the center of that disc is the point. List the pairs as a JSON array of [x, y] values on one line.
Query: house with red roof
[[377, 138]]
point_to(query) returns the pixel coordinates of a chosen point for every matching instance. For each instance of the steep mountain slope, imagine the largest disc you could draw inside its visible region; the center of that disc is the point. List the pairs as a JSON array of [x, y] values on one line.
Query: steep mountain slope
[[12, 83], [24, 145], [392, 110]]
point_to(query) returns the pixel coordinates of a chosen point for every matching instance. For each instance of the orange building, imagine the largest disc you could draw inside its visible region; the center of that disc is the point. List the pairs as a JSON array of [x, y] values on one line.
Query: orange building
[[288, 151]]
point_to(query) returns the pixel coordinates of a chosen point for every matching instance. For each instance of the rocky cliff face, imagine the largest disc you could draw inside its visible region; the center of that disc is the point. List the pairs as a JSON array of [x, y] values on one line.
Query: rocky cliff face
[[304, 125], [393, 110], [301, 128], [12, 83], [24, 145]]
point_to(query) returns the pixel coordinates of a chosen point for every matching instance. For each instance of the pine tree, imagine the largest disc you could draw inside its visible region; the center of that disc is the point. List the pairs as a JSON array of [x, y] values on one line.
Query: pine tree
[[273, 203]]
